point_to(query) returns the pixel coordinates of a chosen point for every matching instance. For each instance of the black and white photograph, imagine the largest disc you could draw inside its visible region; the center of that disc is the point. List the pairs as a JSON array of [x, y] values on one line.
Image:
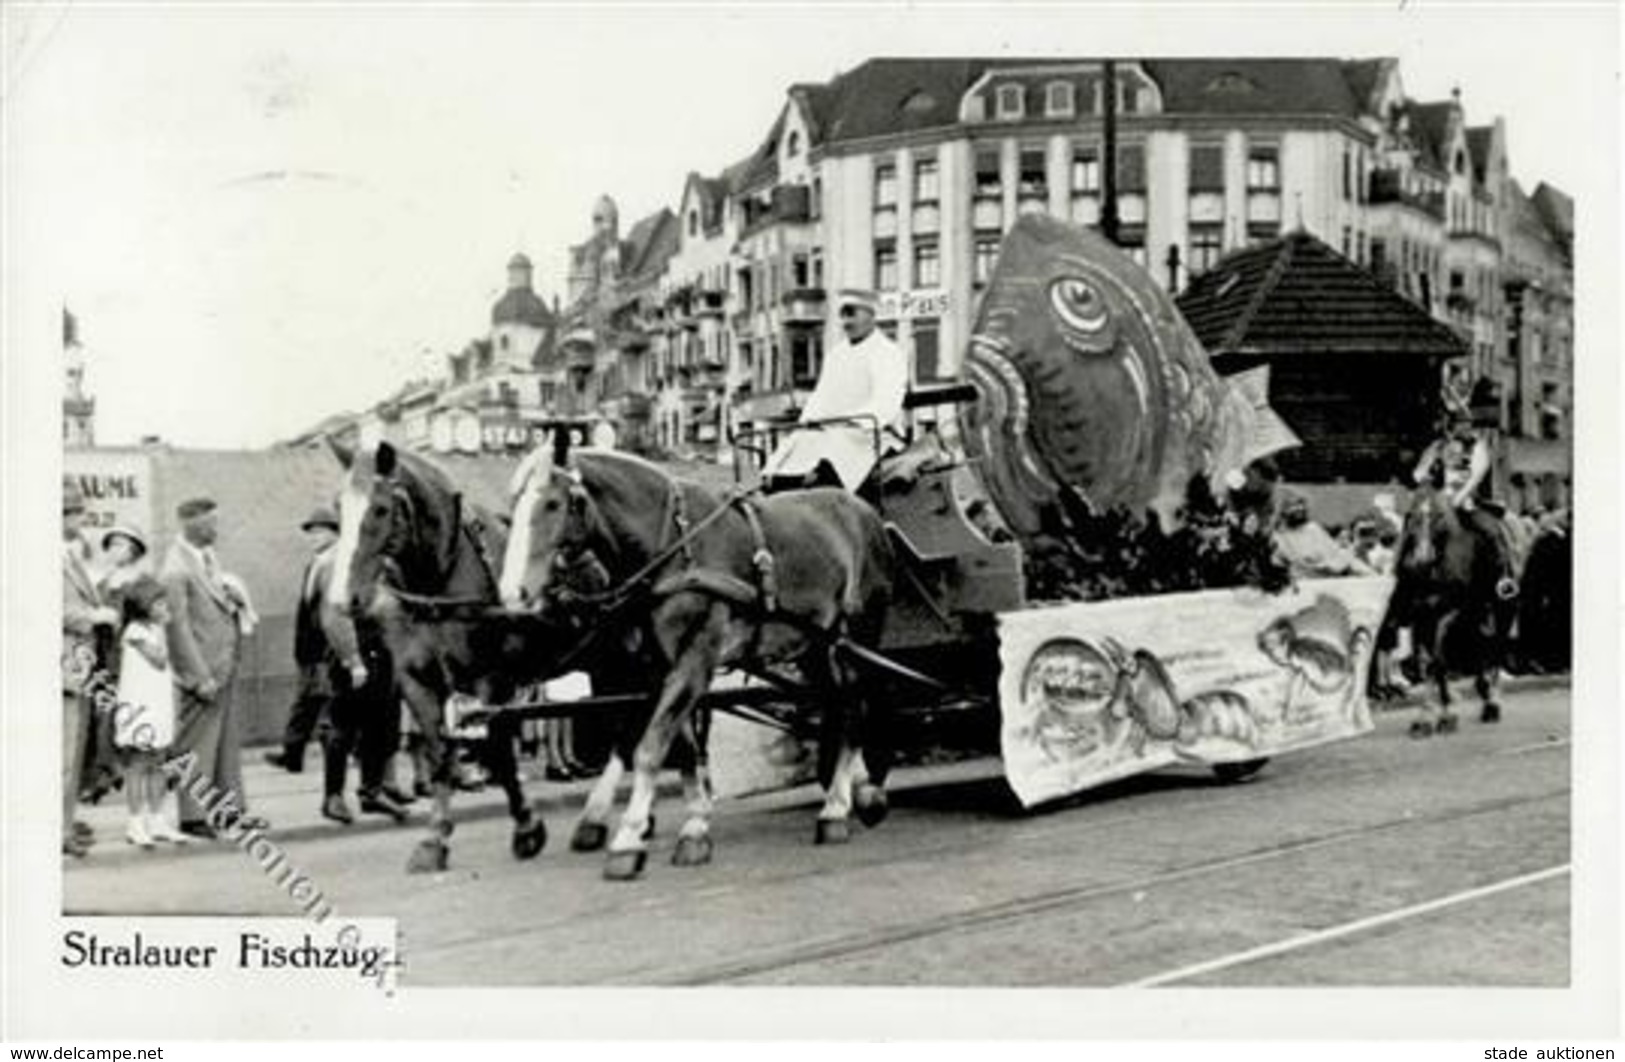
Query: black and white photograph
[[1080, 500]]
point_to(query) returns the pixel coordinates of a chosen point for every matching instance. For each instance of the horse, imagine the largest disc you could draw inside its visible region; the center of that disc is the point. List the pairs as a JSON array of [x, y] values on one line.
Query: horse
[[706, 582], [416, 559], [1446, 593]]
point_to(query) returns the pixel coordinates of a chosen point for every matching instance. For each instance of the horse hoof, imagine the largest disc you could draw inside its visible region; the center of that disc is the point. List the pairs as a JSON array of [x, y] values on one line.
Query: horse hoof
[[589, 836], [832, 831], [1490, 714], [625, 866], [1447, 724], [529, 840], [1421, 729], [1232, 773], [869, 803], [692, 851], [429, 857]]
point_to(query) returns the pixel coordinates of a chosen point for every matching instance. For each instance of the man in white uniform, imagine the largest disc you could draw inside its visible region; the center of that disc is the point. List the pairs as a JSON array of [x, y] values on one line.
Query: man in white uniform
[[867, 377]]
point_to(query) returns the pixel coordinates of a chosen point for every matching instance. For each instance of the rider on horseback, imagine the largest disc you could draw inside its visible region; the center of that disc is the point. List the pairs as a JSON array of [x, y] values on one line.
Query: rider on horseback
[[1458, 465]]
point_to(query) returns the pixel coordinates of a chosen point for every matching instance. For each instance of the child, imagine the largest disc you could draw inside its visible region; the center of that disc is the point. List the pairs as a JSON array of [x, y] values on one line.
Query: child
[[144, 719]]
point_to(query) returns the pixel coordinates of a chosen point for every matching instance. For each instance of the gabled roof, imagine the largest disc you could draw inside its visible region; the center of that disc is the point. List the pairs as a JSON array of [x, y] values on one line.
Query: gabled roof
[[1479, 140], [650, 243], [1430, 130], [1557, 208], [1295, 295], [760, 166], [1364, 76]]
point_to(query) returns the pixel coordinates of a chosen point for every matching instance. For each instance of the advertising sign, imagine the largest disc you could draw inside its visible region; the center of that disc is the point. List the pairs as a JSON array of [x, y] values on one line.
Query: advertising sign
[[1097, 691], [117, 487]]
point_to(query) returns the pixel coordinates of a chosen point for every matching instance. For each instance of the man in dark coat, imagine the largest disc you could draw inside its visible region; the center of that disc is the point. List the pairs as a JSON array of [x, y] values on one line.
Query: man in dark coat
[[310, 646]]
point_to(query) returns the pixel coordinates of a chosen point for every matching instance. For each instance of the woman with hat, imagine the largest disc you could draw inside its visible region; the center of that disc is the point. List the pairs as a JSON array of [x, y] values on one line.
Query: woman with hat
[[124, 562]]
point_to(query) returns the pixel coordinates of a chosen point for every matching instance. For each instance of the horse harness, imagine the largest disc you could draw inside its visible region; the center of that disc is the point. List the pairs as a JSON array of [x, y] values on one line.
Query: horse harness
[[576, 555]]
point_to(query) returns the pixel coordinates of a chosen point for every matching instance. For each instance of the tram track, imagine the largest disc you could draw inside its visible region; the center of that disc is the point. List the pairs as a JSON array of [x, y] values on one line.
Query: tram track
[[1048, 902], [1013, 834]]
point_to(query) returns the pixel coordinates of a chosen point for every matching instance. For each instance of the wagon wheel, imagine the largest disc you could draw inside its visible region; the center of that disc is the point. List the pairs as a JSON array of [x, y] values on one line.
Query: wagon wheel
[[1231, 773]]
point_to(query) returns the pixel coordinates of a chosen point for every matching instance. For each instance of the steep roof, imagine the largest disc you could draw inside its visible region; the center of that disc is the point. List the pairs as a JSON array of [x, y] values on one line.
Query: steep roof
[[1296, 295], [1479, 140], [887, 96], [1277, 86], [1363, 77], [1430, 130], [1557, 208], [650, 243]]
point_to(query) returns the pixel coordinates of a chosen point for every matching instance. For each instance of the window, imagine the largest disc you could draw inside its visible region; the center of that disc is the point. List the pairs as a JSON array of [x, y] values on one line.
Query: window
[[927, 264], [1206, 246], [806, 354], [1131, 169], [1032, 182], [927, 360], [1128, 96], [817, 266], [1011, 102], [1264, 170], [885, 266], [986, 254], [502, 341], [1060, 99], [885, 185], [1262, 231], [925, 180], [815, 204], [800, 274], [792, 145], [1348, 242], [1085, 171], [1348, 179], [989, 173], [1379, 256], [1206, 168]]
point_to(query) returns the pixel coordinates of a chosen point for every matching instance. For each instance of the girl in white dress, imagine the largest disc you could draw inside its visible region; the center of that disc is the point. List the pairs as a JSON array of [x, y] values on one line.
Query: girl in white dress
[[144, 718]]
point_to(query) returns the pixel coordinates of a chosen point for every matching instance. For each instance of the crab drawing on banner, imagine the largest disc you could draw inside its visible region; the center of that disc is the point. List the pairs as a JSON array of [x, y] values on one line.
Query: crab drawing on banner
[[1323, 654]]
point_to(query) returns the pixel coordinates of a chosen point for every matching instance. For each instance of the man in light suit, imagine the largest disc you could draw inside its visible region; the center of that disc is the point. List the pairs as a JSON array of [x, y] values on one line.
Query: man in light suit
[[209, 613], [83, 613]]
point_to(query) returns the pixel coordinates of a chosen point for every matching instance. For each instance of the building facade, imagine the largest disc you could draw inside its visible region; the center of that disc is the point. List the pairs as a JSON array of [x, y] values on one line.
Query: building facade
[[709, 324]]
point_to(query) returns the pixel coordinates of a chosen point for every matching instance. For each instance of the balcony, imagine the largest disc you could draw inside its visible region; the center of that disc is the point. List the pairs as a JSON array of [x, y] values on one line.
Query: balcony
[[804, 305], [1388, 186], [789, 204]]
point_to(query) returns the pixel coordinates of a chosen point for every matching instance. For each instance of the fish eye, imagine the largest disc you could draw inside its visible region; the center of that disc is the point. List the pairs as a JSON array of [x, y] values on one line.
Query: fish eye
[[1078, 304]]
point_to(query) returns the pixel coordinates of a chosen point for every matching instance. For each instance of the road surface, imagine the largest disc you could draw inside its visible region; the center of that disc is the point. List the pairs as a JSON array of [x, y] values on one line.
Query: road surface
[[1378, 861]]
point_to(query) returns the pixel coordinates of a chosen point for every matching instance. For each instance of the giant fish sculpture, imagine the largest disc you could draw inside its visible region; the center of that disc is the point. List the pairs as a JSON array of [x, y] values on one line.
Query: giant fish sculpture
[[1091, 382]]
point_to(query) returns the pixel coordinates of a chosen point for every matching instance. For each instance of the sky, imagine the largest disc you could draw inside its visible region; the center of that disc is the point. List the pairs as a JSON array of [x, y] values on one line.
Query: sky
[[263, 215]]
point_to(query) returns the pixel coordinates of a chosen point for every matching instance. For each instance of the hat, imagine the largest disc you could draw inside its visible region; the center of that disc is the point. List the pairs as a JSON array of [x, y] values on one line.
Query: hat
[[124, 531], [862, 298], [195, 507], [73, 498], [321, 516]]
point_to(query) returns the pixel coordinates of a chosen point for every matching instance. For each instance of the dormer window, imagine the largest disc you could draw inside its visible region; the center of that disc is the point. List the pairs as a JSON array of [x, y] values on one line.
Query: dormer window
[[1060, 99], [1461, 161], [693, 223], [792, 144], [1011, 102]]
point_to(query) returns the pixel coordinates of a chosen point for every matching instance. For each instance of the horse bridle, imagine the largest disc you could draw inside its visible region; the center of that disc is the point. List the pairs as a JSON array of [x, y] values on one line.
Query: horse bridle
[[395, 577]]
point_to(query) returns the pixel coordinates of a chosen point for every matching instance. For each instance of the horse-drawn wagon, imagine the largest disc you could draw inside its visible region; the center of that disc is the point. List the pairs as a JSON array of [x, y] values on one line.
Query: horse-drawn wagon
[[1084, 397]]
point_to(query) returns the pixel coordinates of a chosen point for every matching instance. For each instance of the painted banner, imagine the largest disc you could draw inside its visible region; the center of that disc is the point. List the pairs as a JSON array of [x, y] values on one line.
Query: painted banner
[[1097, 691]]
